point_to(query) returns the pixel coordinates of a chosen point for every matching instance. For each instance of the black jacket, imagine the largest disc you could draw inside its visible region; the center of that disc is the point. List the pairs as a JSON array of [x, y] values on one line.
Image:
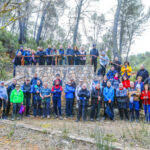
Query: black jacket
[[117, 68], [143, 73], [95, 53], [84, 93], [17, 61], [94, 95]]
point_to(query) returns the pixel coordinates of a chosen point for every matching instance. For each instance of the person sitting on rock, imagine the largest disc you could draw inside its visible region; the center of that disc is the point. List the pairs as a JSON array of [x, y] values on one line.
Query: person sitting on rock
[[111, 73], [69, 95], [134, 105], [84, 96], [45, 96], [126, 82], [94, 83], [56, 91], [57, 79], [122, 101], [96, 102], [16, 100], [126, 70]]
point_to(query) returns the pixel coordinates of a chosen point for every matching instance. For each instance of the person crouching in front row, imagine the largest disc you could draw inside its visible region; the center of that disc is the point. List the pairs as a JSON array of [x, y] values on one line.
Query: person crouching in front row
[[16, 100], [96, 102], [84, 96], [122, 101]]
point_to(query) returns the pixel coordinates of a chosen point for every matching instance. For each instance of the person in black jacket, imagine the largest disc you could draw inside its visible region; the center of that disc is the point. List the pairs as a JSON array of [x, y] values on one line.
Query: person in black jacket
[[96, 102], [41, 56], [26, 88], [84, 96], [9, 90], [76, 56], [94, 52], [143, 73], [117, 65]]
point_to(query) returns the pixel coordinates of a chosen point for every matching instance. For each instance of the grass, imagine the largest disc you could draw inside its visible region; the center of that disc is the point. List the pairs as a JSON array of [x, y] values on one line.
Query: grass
[[65, 131]]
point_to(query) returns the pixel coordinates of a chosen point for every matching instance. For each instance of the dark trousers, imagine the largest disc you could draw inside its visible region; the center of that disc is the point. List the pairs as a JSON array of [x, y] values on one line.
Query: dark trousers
[[95, 110], [8, 107], [27, 98], [111, 106], [123, 110], [57, 105], [16, 108], [49, 60], [82, 110], [14, 70], [77, 61], [37, 107], [102, 71], [82, 62], [70, 60], [46, 108], [94, 62], [69, 107], [3, 105]]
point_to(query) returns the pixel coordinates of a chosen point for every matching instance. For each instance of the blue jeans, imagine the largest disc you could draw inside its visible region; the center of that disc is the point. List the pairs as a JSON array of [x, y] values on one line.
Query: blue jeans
[[69, 106], [16, 108], [57, 105], [37, 108], [46, 108], [147, 112]]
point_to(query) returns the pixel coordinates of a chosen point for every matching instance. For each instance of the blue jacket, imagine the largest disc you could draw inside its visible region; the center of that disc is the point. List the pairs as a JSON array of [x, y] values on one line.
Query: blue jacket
[[76, 53], [56, 90], [20, 50], [45, 92], [10, 88], [141, 85], [26, 53], [115, 83], [3, 93], [95, 53], [61, 51], [108, 94], [48, 51], [26, 88], [34, 81], [110, 74], [70, 51], [69, 91]]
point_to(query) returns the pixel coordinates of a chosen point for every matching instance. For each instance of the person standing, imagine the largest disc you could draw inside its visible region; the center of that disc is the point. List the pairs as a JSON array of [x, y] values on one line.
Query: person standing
[[41, 56], [76, 56], [82, 58], [70, 53], [94, 54], [57, 79], [111, 73], [16, 100], [48, 53], [3, 99], [61, 55]]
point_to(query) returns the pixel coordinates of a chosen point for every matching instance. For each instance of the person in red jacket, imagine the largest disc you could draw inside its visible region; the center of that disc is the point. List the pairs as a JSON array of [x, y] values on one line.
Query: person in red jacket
[[126, 82], [145, 97], [56, 91]]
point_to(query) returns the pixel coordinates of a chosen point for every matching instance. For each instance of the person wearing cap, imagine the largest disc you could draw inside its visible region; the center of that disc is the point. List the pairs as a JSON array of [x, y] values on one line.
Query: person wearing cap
[[134, 106], [70, 53], [26, 88], [84, 96], [37, 99], [56, 91], [48, 53], [96, 102], [10, 88], [57, 79], [69, 95], [122, 101], [108, 94], [45, 96], [16, 99], [126, 69], [111, 73], [94, 54], [3, 99], [104, 61], [20, 50], [143, 73], [61, 55]]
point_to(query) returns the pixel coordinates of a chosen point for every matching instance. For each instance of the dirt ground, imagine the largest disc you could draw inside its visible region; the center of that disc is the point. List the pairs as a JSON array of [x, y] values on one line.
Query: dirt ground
[[53, 134]]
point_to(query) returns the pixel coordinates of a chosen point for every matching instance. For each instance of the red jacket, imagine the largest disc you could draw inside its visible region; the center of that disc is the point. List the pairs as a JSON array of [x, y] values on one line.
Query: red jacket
[[126, 84], [145, 101]]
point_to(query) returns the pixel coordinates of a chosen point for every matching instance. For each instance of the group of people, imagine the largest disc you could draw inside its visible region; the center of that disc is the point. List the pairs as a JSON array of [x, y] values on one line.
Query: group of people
[[114, 90]]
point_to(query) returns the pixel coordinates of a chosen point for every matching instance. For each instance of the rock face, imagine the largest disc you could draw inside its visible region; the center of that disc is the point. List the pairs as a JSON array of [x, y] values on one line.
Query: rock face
[[47, 73]]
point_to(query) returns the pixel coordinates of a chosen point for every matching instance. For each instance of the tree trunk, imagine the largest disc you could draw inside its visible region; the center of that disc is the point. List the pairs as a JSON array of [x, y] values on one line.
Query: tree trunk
[[77, 23], [115, 28], [42, 22]]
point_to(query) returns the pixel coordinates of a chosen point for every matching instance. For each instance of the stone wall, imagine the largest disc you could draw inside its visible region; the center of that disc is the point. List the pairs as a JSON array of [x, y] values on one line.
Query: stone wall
[[47, 73]]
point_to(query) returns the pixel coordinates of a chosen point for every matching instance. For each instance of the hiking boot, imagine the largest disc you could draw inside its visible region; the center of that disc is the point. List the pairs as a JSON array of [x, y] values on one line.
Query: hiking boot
[[92, 120], [56, 116], [61, 118], [77, 120], [48, 116]]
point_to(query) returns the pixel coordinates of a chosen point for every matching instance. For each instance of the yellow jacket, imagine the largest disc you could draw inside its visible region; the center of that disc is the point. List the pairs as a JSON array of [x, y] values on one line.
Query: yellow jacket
[[127, 70]]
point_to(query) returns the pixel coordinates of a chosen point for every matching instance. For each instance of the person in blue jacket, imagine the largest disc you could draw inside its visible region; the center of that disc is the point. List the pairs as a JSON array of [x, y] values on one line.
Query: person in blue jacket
[[111, 73], [94, 52], [69, 95], [70, 52], [61, 55], [26, 88], [48, 53], [37, 99], [41, 56], [56, 91], [20, 50], [9, 90], [76, 56], [27, 53], [108, 94], [84, 96], [45, 94], [35, 79]]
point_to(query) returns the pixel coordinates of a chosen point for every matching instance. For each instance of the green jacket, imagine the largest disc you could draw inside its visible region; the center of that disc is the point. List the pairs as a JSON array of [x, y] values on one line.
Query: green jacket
[[16, 97]]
